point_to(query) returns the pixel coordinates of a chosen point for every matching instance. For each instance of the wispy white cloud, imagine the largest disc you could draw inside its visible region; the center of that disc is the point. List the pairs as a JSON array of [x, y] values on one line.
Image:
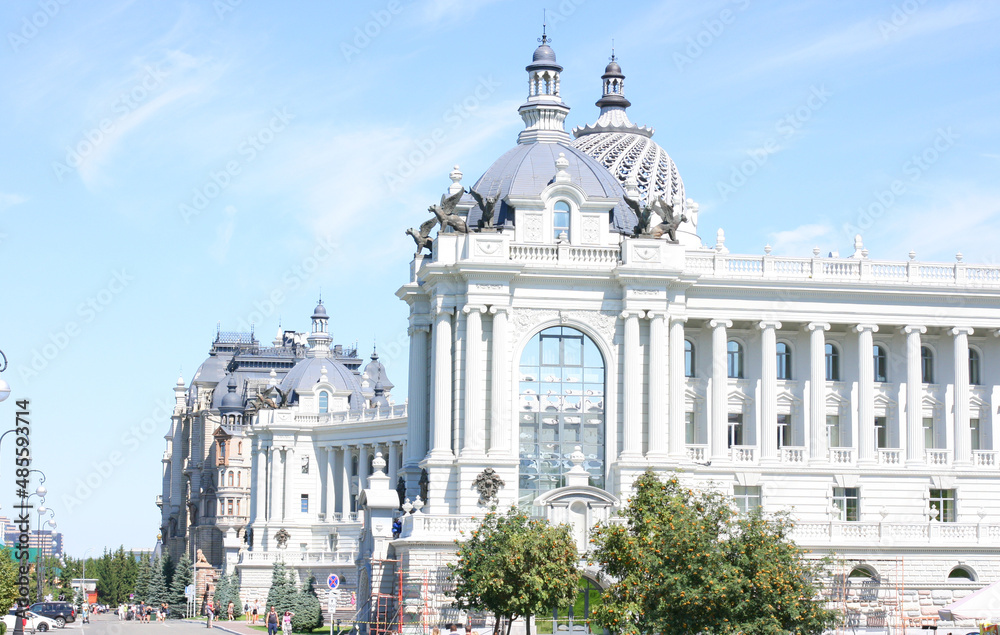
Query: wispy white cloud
[[10, 200], [224, 234], [800, 241], [450, 11]]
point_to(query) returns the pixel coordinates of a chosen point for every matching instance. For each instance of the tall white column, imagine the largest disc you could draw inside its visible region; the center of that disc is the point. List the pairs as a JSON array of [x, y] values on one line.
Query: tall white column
[[963, 434], [274, 475], [500, 424], [817, 391], [441, 394], [914, 406], [675, 378], [331, 482], [768, 390], [658, 386], [474, 442], [392, 467], [416, 407], [718, 433], [345, 482], [259, 512], [291, 503], [632, 394], [866, 392]]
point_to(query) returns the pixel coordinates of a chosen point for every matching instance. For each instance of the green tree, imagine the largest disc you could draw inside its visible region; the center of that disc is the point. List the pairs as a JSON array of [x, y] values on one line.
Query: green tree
[[8, 578], [282, 593], [685, 561], [142, 579], [157, 591], [308, 612], [182, 578], [516, 567]]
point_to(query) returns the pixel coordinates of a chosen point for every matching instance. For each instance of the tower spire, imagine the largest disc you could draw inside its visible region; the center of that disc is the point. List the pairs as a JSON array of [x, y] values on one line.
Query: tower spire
[[544, 111]]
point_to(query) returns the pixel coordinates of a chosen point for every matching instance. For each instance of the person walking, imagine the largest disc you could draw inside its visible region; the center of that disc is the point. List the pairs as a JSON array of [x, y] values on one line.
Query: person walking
[[272, 622], [209, 613], [286, 623], [255, 612], [229, 610]]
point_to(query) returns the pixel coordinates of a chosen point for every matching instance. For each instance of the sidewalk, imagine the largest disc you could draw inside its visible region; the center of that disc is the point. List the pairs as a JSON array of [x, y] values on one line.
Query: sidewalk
[[236, 627]]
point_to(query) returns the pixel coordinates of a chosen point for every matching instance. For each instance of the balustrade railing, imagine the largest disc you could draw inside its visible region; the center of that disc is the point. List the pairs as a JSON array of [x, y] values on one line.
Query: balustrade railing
[[743, 453], [793, 454], [984, 458], [842, 456], [867, 532], [697, 452], [890, 456], [938, 457]]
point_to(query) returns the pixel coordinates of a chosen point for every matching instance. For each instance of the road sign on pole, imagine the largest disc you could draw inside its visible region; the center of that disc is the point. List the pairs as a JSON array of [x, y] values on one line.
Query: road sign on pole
[[333, 581]]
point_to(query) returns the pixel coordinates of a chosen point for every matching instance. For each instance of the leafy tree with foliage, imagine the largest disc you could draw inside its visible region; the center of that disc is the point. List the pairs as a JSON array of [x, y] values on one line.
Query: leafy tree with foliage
[[685, 561], [308, 614], [182, 578], [282, 594], [8, 578], [516, 567]]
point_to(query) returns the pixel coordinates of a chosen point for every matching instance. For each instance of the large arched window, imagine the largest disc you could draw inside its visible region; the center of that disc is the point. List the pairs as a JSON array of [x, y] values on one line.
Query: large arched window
[[688, 358], [735, 358], [560, 219], [784, 360], [926, 365], [974, 369], [562, 404], [324, 401], [881, 364], [832, 363]]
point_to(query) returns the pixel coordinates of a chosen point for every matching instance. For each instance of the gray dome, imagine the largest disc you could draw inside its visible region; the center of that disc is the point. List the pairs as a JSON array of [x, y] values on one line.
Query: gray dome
[[544, 53], [612, 70], [375, 372], [231, 400], [306, 374], [527, 169], [320, 311]]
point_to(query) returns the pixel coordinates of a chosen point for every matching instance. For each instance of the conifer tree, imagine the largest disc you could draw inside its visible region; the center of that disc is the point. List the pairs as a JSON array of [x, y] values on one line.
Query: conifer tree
[[142, 579], [182, 578], [157, 590], [282, 593], [308, 612], [234, 590], [221, 597]]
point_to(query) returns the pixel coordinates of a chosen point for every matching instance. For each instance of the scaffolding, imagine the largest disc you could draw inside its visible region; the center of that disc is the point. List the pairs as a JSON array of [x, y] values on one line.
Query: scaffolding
[[874, 602]]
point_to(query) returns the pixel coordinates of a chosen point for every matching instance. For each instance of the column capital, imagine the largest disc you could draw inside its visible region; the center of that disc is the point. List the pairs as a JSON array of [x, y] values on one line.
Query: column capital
[[469, 308], [817, 326], [861, 328], [628, 313], [961, 330], [494, 310], [715, 323], [677, 318], [652, 315], [418, 328], [913, 328], [764, 325], [443, 310]]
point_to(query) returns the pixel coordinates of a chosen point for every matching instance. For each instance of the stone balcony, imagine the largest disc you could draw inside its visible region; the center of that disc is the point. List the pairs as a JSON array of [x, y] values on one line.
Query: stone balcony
[[799, 455], [292, 557], [836, 533]]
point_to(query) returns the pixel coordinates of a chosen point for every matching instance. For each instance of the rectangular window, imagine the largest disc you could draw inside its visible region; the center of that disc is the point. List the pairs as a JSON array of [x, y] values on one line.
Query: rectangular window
[[735, 428], [305, 504], [845, 499], [690, 434], [943, 500], [833, 432], [784, 430], [881, 433], [929, 442], [238, 507], [747, 497], [229, 507], [974, 429]]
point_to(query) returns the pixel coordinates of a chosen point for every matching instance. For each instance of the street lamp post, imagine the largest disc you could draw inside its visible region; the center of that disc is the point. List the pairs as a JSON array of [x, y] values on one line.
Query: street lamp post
[[40, 558]]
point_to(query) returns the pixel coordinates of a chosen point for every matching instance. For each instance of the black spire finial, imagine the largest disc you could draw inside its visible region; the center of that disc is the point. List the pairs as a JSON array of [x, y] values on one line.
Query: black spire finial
[[545, 39], [613, 58]]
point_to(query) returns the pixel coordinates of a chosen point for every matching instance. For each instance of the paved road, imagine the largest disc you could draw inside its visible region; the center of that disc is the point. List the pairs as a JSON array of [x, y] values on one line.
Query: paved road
[[111, 625]]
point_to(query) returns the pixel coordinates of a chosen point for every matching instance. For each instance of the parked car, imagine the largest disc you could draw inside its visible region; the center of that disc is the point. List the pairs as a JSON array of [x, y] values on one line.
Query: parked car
[[61, 612], [33, 622]]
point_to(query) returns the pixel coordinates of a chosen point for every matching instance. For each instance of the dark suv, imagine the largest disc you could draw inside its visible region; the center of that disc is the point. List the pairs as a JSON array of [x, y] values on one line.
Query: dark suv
[[61, 612]]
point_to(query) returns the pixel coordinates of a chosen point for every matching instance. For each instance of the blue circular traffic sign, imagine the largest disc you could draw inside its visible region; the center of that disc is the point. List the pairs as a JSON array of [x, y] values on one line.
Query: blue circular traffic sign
[[333, 581]]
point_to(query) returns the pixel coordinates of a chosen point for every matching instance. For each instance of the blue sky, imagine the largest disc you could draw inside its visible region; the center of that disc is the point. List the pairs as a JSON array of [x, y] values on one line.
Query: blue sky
[[166, 166]]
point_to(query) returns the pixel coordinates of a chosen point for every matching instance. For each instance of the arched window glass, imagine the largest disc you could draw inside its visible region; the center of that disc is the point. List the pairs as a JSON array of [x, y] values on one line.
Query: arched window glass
[[832, 363], [974, 377], [560, 219], [961, 573], [239, 448], [324, 401], [230, 483], [735, 358], [784, 360], [926, 365], [881, 364], [561, 405], [688, 358]]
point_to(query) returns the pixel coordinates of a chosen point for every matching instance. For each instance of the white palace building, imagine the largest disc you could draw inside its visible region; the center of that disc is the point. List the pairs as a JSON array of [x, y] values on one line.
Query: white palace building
[[557, 352]]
